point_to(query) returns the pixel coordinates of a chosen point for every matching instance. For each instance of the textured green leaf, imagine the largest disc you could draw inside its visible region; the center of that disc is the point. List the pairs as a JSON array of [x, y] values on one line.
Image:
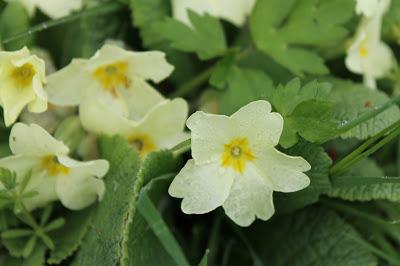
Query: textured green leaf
[[367, 168], [352, 99], [105, 241], [313, 236], [204, 260], [320, 163], [37, 258], [282, 29], [13, 20], [205, 37], [69, 237], [244, 86]]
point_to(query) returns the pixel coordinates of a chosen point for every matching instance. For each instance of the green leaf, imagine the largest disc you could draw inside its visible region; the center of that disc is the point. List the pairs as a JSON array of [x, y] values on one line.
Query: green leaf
[[320, 183], [204, 260], [104, 244], [13, 20], [84, 37], [147, 15], [244, 86], [37, 258], [283, 29], [306, 113], [314, 236], [8, 179], [70, 236], [206, 36], [352, 100], [366, 168]]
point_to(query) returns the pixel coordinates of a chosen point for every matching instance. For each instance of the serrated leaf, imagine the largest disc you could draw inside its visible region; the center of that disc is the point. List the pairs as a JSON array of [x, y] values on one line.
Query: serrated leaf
[[281, 29], [206, 36], [320, 183], [37, 258], [351, 100], [314, 236], [244, 86], [307, 113], [366, 168], [104, 242], [70, 236]]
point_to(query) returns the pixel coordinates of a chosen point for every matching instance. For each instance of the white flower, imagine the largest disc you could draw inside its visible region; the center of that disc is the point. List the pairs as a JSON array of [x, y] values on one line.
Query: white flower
[[113, 75], [233, 11], [235, 164], [22, 77], [162, 127], [368, 54], [52, 8], [54, 174], [368, 7]]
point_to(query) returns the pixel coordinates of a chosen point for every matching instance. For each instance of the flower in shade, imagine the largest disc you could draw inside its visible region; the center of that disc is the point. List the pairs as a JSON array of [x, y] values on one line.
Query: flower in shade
[[54, 175], [236, 166], [368, 54], [22, 77], [52, 8]]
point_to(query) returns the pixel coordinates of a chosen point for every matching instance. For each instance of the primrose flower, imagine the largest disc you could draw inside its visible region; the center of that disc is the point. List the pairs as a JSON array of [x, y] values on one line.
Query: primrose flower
[[367, 7], [22, 77], [54, 175], [115, 76], [232, 11], [236, 166], [368, 54], [52, 8], [161, 128]]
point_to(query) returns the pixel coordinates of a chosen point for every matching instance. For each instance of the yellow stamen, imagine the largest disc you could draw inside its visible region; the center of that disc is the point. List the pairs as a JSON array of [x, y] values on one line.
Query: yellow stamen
[[236, 154], [53, 167], [363, 51], [23, 75], [112, 76], [143, 143]]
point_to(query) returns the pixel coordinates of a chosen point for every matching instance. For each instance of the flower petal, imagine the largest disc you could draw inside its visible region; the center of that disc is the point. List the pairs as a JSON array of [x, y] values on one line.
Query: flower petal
[[209, 135], [79, 189], [97, 168], [285, 172], [67, 86], [34, 141], [250, 197], [20, 164], [45, 189], [58, 9], [256, 121], [165, 123], [202, 187]]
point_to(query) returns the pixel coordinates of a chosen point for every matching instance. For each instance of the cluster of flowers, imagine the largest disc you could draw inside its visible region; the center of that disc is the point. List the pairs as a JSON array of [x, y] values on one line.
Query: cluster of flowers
[[235, 163]]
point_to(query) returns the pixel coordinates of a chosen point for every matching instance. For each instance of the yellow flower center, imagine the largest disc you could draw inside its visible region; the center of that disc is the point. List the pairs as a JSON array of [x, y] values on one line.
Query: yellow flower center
[[236, 154], [363, 51], [23, 75], [112, 76], [143, 143], [53, 167]]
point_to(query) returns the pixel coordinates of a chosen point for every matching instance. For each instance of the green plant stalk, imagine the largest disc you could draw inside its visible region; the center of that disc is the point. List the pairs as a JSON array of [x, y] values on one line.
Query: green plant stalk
[[181, 148], [102, 9], [363, 148]]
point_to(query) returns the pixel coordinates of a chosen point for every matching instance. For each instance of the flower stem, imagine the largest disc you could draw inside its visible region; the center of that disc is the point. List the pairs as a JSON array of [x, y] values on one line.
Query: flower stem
[[102, 9]]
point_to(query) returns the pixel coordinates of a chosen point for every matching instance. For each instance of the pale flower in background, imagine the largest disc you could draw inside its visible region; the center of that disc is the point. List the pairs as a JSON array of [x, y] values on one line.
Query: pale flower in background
[[113, 75], [233, 11], [54, 174], [367, 7], [22, 77], [52, 8], [162, 127], [236, 166], [368, 54]]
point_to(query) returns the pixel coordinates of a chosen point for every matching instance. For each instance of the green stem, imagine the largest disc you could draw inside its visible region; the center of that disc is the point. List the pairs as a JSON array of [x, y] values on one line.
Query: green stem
[[338, 166], [181, 148], [368, 115], [96, 11]]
